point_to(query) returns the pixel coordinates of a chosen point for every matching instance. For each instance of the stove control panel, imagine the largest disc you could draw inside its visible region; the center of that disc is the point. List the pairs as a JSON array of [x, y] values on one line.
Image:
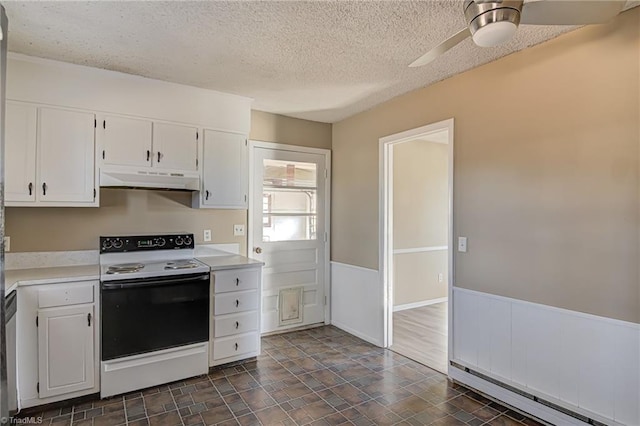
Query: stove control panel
[[146, 242]]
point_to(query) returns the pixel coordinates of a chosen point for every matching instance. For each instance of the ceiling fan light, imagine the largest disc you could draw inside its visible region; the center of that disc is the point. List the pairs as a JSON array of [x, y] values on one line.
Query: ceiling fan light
[[494, 33]]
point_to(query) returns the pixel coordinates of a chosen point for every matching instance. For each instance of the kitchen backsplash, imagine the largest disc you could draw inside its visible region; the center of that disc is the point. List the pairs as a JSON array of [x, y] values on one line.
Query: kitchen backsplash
[[121, 211]]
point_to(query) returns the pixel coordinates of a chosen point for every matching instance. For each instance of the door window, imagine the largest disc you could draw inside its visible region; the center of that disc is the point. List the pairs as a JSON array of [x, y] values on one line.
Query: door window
[[289, 201]]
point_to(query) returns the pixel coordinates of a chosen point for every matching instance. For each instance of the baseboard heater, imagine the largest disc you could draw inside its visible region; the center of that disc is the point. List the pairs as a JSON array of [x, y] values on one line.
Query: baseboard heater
[[535, 398]]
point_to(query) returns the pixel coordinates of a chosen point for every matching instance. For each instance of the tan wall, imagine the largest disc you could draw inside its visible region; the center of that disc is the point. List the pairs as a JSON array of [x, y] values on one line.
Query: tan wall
[[420, 219], [416, 277], [142, 211], [545, 174], [269, 127]]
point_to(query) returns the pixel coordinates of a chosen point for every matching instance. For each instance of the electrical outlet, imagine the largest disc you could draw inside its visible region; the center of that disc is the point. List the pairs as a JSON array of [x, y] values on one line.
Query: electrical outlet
[[7, 244], [207, 235], [238, 230], [462, 244], [440, 277]]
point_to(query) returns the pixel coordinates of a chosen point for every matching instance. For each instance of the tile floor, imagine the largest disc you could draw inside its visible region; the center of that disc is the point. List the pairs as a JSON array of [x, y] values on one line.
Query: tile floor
[[321, 376]]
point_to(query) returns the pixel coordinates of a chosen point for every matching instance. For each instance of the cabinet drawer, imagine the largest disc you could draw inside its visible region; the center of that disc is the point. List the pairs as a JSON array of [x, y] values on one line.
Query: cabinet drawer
[[65, 295], [235, 280], [235, 324], [230, 303], [235, 345]]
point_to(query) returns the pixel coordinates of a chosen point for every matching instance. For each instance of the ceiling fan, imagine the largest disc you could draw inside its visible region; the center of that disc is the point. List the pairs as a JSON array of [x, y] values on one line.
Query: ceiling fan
[[493, 22]]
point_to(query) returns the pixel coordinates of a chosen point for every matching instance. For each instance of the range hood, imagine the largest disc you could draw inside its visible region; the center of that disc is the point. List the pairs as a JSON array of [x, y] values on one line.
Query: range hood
[[152, 179]]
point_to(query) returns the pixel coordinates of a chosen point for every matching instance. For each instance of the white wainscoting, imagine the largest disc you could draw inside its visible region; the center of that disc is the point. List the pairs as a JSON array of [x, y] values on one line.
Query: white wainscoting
[[356, 302], [584, 363], [420, 249]]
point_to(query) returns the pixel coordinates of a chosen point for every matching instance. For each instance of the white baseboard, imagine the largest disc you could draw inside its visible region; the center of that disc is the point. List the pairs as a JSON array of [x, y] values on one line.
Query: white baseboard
[[419, 304], [356, 302], [587, 364]]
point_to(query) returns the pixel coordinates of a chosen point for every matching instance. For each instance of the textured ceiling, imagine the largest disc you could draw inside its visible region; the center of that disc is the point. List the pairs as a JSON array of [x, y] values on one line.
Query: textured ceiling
[[316, 60]]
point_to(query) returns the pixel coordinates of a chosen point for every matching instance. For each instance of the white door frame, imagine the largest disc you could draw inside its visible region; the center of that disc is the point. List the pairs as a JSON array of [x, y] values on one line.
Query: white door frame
[[386, 222], [253, 144]]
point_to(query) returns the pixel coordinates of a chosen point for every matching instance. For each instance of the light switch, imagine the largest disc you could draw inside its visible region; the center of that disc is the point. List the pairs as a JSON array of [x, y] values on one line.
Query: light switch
[[462, 244]]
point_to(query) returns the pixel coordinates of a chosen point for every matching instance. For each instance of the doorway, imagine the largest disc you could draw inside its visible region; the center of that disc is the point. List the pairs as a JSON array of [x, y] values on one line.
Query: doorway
[[416, 229], [289, 232]]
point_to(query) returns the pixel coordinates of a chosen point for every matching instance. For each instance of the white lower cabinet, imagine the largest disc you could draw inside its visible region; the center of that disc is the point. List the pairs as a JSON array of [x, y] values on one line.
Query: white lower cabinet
[[58, 342], [65, 350], [235, 315]]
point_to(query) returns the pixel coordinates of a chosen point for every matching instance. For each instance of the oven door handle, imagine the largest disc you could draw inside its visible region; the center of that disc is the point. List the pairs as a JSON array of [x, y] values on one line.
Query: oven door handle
[[122, 284]]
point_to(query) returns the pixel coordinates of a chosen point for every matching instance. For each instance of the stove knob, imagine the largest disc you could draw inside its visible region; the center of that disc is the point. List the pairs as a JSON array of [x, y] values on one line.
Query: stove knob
[[117, 243], [187, 240], [106, 244], [179, 241], [160, 242]]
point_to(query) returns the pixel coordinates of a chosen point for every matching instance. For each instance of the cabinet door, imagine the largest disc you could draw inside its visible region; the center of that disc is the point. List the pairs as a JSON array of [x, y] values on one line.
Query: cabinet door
[[225, 170], [125, 141], [66, 156], [175, 147], [20, 152], [65, 349]]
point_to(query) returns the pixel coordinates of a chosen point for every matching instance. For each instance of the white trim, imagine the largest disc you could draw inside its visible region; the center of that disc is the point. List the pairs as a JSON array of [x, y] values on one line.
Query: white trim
[[414, 305], [253, 144], [385, 217], [419, 249], [361, 268]]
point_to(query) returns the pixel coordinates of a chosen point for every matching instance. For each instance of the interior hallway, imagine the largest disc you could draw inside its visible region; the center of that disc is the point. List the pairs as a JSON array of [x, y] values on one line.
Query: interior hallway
[[421, 334]]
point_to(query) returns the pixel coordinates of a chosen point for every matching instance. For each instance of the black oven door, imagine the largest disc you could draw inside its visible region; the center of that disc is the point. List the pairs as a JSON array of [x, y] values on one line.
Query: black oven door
[[149, 314]]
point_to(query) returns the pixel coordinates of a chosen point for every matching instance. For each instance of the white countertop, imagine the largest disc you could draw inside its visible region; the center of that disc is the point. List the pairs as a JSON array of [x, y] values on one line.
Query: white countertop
[[230, 261], [35, 276], [65, 274]]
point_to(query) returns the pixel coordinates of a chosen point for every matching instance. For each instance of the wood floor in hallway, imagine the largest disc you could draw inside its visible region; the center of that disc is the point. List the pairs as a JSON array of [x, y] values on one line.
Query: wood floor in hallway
[[421, 334]]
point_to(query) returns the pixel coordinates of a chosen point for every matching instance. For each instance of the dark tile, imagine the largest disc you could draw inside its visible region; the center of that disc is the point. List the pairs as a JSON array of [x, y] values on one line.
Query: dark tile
[[257, 399], [167, 419], [193, 420], [249, 420], [486, 413], [216, 415], [86, 422], [465, 403], [448, 421], [272, 415], [141, 422], [410, 406], [114, 418], [503, 420]]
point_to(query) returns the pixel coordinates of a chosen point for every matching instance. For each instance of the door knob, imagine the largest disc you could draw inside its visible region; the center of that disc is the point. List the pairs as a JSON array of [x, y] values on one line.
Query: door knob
[[258, 250]]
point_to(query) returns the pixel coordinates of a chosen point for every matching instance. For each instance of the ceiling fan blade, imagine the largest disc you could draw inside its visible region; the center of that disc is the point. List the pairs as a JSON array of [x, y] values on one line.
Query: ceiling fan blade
[[441, 48], [569, 12]]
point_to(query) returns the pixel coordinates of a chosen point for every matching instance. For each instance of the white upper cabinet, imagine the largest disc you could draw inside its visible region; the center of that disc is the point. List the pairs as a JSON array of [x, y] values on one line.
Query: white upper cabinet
[[175, 147], [224, 171], [140, 143], [20, 151], [49, 157], [125, 141], [66, 156]]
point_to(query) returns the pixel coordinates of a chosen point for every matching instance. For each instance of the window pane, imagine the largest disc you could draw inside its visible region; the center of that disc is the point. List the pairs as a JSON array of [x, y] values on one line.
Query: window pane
[[288, 228], [289, 173], [288, 201]]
